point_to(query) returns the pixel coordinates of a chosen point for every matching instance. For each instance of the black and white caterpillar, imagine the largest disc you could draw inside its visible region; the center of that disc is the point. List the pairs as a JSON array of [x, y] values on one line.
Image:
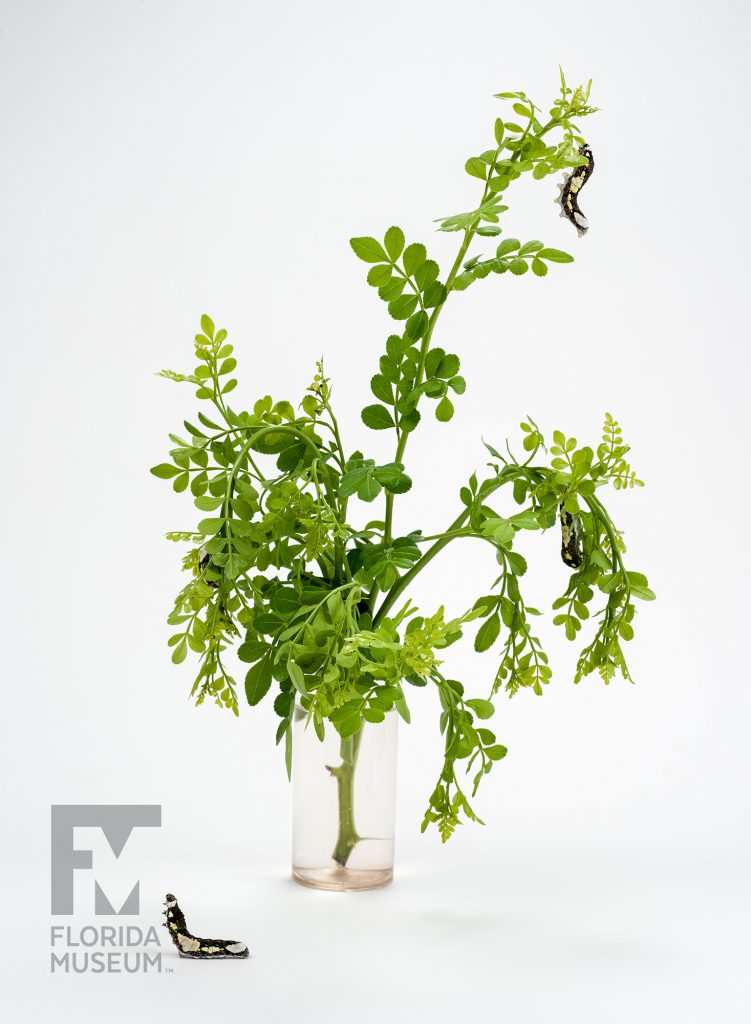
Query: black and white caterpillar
[[568, 196], [572, 549], [190, 945]]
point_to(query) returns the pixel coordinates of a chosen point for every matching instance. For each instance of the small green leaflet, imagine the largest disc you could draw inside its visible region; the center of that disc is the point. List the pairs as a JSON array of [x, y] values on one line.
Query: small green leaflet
[[257, 682]]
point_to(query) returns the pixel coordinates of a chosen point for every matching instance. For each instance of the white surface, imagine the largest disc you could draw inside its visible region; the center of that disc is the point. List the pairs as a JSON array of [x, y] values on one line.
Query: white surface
[[165, 159]]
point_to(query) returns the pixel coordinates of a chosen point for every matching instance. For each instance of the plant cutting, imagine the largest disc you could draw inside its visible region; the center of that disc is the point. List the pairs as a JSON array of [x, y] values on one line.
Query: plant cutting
[[319, 608]]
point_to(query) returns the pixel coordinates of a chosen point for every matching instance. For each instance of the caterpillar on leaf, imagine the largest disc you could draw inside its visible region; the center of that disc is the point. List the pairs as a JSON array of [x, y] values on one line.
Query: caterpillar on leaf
[[191, 946], [568, 195], [572, 551]]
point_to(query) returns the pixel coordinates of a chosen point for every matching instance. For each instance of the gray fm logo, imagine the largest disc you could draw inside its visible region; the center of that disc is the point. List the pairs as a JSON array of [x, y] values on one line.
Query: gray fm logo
[[117, 821]]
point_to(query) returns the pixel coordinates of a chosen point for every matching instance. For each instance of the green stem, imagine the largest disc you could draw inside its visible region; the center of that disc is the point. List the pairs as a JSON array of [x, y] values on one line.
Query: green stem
[[347, 837], [402, 584], [453, 531], [469, 234]]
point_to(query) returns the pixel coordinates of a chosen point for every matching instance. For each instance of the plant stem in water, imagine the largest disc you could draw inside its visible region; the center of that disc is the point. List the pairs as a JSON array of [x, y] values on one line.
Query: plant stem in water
[[344, 774]]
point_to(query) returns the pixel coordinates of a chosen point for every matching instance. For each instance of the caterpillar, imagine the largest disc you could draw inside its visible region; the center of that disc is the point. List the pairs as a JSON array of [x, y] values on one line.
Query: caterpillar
[[191, 946], [204, 562], [568, 195], [572, 551]]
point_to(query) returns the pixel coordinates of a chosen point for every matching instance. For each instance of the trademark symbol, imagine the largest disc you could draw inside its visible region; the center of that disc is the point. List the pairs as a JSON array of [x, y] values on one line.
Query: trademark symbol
[[169, 970]]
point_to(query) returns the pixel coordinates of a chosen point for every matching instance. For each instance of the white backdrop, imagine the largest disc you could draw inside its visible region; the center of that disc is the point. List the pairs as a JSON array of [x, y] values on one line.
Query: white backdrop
[[164, 159]]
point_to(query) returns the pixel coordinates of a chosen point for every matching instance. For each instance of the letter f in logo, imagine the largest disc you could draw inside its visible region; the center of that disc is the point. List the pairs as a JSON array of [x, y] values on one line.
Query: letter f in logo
[[117, 821]]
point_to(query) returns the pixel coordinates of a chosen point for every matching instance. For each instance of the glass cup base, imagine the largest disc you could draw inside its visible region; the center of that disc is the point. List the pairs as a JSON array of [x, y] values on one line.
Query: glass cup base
[[342, 879]]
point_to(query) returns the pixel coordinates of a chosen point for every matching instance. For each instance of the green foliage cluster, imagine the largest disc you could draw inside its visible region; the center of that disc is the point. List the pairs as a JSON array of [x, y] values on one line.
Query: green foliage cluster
[[317, 607]]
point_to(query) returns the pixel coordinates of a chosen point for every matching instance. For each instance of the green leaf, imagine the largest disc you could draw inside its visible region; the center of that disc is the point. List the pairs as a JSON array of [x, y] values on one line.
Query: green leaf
[[208, 527], [520, 491], [433, 360], [347, 719], [408, 421], [199, 484], [498, 183], [382, 389], [448, 367], [285, 410], [403, 307], [476, 168], [482, 708], [377, 417], [426, 274], [394, 243], [257, 682], [165, 470], [180, 651], [374, 715], [434, 295], [488, 632], [207, 422], [351, 481], [234, 565], [393, 478], [497, 752], [501, 530], [297, 677], [288, 749], [368, 250], [444, 410], [285, 600], [380, 275], [555, 256], [498, 128], [369, 489], [283, 703], [403, 710], [207, 326], [517, 563], [485, 605], [389, 364], [518, 266], [353, 477], [414, 256], [608, 584], [208, 504], [539, 268], [392, 290], [599, 557], [507, 245], [251, 650], [417, 325]]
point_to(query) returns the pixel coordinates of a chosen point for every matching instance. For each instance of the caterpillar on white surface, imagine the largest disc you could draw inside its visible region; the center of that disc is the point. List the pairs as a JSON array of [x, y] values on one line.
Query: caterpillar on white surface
[[191, 946]]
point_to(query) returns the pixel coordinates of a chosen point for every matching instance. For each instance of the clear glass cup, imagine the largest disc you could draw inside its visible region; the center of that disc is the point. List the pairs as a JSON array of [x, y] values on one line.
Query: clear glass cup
[[344, 799]]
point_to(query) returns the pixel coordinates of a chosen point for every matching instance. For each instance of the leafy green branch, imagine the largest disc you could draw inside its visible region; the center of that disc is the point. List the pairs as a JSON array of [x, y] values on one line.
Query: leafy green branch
[[318, 607]]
